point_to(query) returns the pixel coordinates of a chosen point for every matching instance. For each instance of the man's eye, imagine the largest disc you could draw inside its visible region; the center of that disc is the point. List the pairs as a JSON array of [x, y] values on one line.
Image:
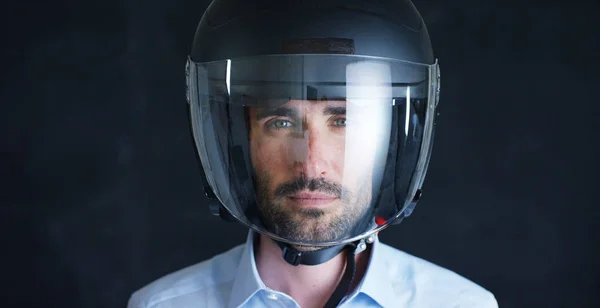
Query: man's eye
[[280, 124], [339, 122]]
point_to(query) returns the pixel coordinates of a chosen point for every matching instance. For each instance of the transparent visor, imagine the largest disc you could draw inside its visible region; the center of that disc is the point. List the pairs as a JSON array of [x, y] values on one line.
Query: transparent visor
[[313, 149]]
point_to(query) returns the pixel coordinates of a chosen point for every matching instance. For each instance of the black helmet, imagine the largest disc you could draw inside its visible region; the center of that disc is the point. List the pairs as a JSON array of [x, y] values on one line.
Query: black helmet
[[313, 120]]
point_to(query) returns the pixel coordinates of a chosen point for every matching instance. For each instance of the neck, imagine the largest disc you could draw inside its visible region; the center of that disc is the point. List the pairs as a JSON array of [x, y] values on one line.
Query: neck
[[309, 286]]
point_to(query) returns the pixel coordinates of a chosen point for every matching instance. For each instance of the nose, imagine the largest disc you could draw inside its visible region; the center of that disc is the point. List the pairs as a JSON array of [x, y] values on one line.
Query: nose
[[309, 157]]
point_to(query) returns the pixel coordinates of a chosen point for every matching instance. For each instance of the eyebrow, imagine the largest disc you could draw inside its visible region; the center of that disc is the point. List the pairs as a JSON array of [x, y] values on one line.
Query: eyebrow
[[330, 110], [262, 113]]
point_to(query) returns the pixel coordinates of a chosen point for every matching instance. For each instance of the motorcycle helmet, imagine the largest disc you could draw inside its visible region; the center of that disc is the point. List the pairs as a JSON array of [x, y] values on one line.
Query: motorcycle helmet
[[313, 120]]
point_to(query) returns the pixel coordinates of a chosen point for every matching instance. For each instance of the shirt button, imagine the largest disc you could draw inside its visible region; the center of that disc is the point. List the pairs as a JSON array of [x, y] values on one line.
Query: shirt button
[[272, 296]]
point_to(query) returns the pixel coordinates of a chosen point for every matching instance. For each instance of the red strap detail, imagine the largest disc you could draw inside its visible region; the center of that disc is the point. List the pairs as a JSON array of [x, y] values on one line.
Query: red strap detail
[[379, 220]]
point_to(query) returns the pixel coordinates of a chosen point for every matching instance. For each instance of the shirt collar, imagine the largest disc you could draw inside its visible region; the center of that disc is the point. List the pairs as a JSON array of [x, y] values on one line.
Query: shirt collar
[[247, 280], [375, 283]]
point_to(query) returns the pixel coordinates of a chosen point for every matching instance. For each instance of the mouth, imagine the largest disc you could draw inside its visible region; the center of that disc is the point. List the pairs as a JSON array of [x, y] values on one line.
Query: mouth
[[312, 199]]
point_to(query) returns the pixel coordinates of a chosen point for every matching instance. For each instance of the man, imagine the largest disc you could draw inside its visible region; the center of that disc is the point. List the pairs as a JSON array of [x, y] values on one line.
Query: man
[[313, 121]]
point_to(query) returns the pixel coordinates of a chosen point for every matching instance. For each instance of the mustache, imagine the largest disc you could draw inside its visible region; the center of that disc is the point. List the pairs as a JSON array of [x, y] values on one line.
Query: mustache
[[303, 183]]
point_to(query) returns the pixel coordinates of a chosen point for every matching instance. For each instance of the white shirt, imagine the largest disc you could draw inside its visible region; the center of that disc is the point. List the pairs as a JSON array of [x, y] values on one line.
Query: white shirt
[[393, 279]]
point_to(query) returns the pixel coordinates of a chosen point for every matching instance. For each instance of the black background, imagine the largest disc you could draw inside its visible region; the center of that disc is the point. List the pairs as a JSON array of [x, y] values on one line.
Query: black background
[[101, 193]]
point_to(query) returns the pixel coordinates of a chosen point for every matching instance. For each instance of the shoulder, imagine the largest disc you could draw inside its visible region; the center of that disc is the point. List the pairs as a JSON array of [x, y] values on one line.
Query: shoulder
[[426, 284], [206, 282]]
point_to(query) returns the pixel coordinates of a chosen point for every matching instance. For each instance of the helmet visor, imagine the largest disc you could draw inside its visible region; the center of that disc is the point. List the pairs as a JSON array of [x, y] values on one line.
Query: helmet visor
[[313, 149]]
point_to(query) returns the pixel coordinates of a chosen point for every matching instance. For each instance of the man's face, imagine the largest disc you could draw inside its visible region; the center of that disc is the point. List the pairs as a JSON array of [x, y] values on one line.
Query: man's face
[[313, 172]]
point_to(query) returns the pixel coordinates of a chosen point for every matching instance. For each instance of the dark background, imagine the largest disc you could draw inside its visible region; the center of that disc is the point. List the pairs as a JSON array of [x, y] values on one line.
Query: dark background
[[101, 193]]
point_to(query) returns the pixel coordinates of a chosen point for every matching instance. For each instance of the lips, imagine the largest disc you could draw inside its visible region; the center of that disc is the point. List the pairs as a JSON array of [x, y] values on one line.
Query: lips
[[308, 198]]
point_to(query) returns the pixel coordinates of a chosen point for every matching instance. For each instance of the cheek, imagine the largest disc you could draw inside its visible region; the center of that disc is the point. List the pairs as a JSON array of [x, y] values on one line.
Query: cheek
[[337, 155], [358, 161], [268, 158]]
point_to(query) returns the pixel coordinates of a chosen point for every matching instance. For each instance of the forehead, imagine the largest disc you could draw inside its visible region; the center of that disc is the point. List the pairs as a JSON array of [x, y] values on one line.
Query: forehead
[[313, 104], [297, 103], [295, 107]]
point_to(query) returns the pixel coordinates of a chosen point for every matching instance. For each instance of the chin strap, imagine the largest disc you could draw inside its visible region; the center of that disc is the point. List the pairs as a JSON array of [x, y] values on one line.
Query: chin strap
[[296, 257], [344, 286]]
